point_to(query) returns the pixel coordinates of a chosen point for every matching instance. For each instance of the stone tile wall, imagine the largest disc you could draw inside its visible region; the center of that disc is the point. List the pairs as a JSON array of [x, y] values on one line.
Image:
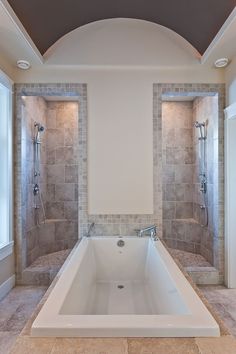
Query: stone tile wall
[[216, 221], [34, 109], [59, 179], [180, 230], [62, 161], [205, 109]]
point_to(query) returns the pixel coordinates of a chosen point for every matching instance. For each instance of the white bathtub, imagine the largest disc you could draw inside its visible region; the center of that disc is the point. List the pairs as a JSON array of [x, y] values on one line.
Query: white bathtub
[[132, 291]]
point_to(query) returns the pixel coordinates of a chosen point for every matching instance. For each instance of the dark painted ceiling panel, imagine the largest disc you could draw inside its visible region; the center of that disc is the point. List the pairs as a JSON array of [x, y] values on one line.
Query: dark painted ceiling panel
[[198, 21]]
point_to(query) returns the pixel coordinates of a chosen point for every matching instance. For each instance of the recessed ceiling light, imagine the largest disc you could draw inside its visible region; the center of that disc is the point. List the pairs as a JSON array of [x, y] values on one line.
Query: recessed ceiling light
[[221, 63], [23, 64]]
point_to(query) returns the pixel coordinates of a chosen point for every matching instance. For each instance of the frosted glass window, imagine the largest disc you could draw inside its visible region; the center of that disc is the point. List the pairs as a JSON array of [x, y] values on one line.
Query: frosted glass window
[[5, 165]]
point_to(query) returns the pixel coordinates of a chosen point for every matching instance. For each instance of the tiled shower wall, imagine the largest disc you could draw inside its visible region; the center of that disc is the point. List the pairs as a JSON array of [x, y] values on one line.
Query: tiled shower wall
[[205, 109], [62, 227], [180, 230], [182, 215], [34, 109], [58, 176], [62, 160]]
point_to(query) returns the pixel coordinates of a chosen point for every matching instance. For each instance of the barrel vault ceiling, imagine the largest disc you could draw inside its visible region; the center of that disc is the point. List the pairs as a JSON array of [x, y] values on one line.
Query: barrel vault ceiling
[[198, 21]]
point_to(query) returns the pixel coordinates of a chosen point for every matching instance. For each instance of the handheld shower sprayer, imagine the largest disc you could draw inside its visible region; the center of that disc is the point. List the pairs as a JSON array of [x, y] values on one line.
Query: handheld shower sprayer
[[39, 129], [201, 126], [203, 175]]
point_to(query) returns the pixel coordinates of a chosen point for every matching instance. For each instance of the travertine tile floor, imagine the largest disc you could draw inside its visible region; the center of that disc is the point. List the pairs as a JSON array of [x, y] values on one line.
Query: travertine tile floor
[[20, 303], [223, 301], [15, 310]]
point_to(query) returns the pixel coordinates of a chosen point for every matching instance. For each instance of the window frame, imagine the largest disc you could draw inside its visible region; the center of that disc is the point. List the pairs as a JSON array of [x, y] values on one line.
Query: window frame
[[7, 247]]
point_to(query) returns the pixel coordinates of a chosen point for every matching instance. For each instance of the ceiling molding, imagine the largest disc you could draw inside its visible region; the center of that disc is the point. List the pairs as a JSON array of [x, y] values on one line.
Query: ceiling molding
[[21, 30], [219, 38]]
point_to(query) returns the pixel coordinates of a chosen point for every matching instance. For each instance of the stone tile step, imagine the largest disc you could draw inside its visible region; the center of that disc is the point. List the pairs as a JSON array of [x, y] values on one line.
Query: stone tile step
[[44, 269], [205, 275]]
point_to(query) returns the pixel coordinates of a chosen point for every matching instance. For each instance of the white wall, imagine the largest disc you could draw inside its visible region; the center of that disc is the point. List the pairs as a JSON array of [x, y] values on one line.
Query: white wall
[[120, 149], [230, 79], [7, 268]]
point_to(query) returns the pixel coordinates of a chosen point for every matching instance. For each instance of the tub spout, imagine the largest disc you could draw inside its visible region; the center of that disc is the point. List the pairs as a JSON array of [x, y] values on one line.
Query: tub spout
[[91, 226], [151, 229]]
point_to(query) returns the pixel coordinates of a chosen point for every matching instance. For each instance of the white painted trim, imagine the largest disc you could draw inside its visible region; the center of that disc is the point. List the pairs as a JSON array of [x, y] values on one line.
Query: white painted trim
[[7, 286], [230, 196], [219, 35], [6, 250], [21, 30], [7, 247], [5, 80], [230, 111]]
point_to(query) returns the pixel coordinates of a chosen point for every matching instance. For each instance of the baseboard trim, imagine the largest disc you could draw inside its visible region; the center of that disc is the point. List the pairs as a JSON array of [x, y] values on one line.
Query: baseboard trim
[[6, 286]]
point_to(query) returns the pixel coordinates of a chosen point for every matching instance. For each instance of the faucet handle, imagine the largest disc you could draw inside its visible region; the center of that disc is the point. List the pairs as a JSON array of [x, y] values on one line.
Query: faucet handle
[[137, 231]]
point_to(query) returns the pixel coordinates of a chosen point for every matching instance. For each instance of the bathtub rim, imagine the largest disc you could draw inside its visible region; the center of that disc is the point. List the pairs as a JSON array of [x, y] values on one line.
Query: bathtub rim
[[50, 323]]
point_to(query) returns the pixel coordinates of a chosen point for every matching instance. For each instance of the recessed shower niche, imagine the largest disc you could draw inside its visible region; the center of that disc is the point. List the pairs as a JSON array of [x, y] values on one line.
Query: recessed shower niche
[[49, 185], [190, 182]]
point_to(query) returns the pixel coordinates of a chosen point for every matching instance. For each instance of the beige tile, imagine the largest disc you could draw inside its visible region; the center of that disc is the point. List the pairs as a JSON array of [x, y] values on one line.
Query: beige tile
[[28, 345], [7, 339], [65, 192], [55, 174], [71, 174], [55, 210], [90, 346], [71, 210], [162, 346], [221, 345], [225, 315]]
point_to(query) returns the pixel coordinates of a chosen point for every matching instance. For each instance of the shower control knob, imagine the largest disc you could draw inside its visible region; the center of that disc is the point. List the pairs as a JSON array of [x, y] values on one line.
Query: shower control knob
[[36, 189]]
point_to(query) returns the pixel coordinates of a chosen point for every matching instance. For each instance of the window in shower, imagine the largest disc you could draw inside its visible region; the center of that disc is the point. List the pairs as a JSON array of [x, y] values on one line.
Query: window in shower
[[6, 243]]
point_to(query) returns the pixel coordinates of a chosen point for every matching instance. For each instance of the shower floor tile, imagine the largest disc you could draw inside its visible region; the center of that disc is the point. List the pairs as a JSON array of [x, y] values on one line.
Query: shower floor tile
[[188, 259]]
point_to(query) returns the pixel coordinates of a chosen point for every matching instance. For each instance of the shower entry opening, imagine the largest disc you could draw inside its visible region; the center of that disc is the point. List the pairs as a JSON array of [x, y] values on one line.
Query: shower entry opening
[[190, 180], [49, 188]]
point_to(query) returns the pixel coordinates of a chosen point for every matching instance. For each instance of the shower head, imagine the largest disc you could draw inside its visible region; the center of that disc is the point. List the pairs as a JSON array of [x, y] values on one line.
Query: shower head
[[198, 125]]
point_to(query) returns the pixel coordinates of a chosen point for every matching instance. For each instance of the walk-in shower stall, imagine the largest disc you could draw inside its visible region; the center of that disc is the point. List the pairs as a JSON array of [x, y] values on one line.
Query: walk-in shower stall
[[49, 184], [190, 182]]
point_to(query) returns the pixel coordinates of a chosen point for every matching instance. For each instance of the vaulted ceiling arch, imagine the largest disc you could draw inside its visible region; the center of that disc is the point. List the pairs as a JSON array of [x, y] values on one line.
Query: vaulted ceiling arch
[[196, 21], [122, 41]]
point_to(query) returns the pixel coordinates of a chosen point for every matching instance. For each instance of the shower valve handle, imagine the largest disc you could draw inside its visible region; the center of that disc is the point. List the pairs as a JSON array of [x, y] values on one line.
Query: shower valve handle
[[36, 189]]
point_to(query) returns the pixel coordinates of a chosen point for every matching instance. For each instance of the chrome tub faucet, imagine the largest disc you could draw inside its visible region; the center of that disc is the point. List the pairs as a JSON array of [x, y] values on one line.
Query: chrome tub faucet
[[151, 229], [91, 226]]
